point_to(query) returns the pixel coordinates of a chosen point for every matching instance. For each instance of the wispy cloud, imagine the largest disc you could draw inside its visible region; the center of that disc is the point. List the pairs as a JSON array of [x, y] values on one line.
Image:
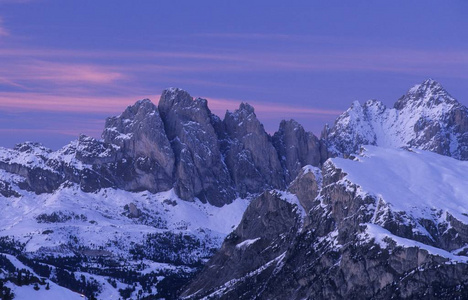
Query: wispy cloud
[[372, 59], [17, 101], [3, 30], [73, 132], [14, 101], [35, 70], [269, 110], [255, 36]]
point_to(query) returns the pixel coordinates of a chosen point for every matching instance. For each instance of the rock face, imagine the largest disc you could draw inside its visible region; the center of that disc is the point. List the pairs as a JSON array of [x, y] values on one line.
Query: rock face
[[296, 148], [149, 159], [351, 244], [250, 156], [199, 168], [239, 254], [178, 144], [427, 117]]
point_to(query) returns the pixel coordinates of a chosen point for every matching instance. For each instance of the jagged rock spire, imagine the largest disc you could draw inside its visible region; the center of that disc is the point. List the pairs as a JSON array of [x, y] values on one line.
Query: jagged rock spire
[[199, 168], [296, 148], [139, 131], [251, 157]]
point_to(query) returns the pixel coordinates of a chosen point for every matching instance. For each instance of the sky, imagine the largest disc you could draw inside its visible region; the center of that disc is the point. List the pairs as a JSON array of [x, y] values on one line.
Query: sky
[[67, 65]]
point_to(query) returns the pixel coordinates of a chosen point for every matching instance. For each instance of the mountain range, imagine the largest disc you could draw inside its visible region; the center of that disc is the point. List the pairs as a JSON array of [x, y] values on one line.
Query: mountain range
[[174, 201]]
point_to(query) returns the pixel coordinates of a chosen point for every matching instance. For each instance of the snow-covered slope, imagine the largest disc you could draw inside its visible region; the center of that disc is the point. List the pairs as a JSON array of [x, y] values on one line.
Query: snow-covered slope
[[139, 212], [383, 224], [424, 191], [410, 181], [427, 117], [107, 216], [153, 235], [45, 291]]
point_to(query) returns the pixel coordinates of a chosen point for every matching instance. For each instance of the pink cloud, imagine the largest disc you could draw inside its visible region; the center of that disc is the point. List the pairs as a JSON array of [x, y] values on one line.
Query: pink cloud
[[58, 72], [71, 132], [394, 60], [270, 110], [3, 31], [14, 101]]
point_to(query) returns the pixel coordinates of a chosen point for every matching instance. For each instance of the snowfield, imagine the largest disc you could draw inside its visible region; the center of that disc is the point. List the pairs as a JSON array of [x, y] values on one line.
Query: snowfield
[[110, 224], [101, 217], [420, 185], [414, 181]]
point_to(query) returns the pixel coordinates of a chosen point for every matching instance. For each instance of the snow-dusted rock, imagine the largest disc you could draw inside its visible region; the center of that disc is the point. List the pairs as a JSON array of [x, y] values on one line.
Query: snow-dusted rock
[[382, 223], [388, 224], [427, 118]]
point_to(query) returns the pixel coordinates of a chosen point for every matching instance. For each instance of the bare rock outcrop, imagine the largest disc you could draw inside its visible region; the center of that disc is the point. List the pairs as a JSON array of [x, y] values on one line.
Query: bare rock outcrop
[[296, 148], [272, 254], [199, 167], [250, 156]]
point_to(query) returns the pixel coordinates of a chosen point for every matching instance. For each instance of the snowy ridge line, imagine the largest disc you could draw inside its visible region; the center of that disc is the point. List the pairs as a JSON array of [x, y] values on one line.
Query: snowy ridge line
[[427, 118], [292, 199], [381, 236], [230, 284]]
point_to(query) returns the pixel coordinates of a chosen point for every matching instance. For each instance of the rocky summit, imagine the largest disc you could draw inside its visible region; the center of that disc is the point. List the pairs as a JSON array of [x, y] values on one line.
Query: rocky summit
[[175, 202], [426, 117]]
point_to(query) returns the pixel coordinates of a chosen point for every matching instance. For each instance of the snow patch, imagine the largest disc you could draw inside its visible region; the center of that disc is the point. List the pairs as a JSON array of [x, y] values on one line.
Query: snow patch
[[382, 236], [246, 243]]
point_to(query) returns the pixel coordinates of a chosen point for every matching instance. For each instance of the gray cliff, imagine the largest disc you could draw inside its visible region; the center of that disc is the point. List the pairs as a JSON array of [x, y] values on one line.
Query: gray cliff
[[296, 148], [199, 167], [250, 156], [277, 252]]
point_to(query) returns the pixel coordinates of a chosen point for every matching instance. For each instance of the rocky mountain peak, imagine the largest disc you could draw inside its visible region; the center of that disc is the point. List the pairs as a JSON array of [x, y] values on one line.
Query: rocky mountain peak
[[296, 148], [31, 147], [246, 108], [174, 97], [426, 117], [178, 105], [429, 93], [243, 121], [141, 107], [139, 132], [250, 156], [374, 103], [199, 169], [136, 129], [291, 123]]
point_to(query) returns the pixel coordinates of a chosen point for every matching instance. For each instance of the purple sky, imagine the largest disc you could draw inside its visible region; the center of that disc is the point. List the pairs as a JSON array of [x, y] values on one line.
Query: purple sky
[[66, 65]]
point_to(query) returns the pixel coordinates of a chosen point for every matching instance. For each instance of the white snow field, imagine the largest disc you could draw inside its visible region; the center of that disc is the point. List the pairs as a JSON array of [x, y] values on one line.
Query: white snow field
[[422, 184]]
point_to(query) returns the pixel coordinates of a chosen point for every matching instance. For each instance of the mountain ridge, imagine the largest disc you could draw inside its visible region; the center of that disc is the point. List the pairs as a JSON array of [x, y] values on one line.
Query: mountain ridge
[[180, 178]]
